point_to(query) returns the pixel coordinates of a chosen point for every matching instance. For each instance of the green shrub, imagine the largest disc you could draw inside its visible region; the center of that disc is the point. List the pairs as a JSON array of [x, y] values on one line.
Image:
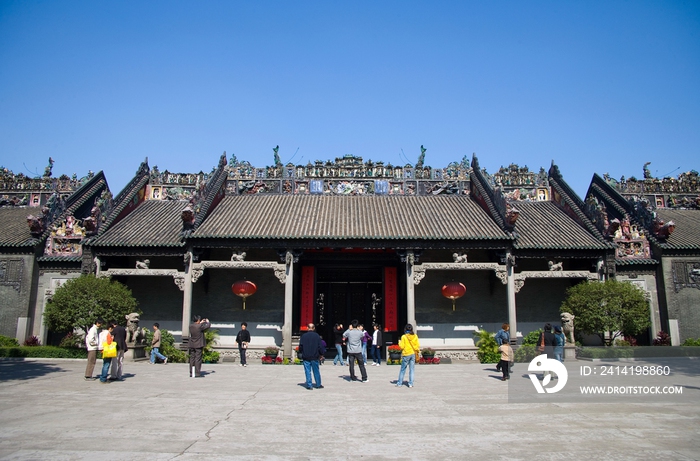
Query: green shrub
[[532, 338], [526, 353], [638, 352], [6, 341], [210, 356], [51, 352], [488, 347], [691, 342], [167, 347], [72, 340]]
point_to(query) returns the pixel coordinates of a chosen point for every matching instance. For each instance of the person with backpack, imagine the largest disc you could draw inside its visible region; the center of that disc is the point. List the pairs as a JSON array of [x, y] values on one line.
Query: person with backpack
[[559, 342], [502, 337]]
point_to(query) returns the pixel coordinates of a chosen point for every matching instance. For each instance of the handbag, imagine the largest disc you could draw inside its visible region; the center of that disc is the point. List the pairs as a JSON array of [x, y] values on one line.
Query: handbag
[[109, 351], [540, 348]]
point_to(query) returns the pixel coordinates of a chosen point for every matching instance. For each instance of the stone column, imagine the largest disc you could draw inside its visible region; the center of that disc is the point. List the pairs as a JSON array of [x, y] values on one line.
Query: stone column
[[187, 297], [288, 304], [512, 321], [410, 292]]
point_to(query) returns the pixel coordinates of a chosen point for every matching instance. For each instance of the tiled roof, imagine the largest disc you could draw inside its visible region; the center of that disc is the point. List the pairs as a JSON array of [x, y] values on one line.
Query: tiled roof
[[542, 225], [350, 217], [634, 262], [686, 236], [14, 230], [62, 259], [152, 223]]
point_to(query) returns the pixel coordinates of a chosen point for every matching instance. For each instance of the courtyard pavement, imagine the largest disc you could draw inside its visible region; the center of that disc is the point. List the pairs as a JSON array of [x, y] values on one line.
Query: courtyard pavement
[[454, 412]]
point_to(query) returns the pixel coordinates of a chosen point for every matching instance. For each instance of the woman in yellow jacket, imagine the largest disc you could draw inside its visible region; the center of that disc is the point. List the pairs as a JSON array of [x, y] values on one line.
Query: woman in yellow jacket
[[410, 348]]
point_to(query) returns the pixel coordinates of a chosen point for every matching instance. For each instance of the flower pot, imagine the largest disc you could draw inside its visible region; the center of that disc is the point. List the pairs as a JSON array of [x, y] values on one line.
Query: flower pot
[[428, 356], [395, 355]]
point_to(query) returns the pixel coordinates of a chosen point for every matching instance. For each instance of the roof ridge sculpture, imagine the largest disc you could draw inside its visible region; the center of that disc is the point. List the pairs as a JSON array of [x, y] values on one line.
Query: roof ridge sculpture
[[125, 197], [574, 202]]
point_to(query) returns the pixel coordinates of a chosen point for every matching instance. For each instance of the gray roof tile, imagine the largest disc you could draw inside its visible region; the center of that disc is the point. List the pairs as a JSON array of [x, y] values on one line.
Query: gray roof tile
[[350, 217], [542, 225]]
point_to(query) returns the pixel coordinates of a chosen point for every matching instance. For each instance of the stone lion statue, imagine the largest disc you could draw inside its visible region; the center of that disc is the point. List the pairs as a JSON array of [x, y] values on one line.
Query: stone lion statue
[[134, 334], [555, 266], [459, 258], [145, 264], [567, 326]]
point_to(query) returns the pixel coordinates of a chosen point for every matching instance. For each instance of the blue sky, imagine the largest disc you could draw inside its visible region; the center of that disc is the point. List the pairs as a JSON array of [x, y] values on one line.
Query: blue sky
[[595, 86]]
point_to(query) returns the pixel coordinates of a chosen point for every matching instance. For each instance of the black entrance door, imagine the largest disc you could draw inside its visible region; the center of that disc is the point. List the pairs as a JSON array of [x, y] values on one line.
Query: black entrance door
[[348, 296]]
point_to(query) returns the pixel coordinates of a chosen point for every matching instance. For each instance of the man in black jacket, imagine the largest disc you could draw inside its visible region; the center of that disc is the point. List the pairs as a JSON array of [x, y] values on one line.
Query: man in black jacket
[[311, 349], [547, 338], [196, 343], [119, 333]]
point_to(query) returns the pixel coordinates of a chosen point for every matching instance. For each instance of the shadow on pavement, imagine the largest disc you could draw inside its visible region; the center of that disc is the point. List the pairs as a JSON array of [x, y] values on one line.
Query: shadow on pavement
[[22, 370]]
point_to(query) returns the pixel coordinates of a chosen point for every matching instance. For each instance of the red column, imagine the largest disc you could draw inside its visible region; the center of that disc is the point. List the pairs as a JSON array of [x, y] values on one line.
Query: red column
[[391, 310], [307, 296]]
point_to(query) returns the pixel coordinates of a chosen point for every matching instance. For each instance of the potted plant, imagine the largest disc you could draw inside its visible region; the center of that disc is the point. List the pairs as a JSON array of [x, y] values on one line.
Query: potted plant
[[271, 351], [428, 353], [298, 353], [395, 352]]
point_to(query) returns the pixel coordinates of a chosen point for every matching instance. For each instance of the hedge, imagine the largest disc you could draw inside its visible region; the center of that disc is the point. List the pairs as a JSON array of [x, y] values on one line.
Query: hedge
[[638, 352], [51, 352]]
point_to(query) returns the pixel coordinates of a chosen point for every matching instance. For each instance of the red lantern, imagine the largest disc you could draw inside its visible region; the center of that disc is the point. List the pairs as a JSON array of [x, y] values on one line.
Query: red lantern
[[244, 288], [453, 291]]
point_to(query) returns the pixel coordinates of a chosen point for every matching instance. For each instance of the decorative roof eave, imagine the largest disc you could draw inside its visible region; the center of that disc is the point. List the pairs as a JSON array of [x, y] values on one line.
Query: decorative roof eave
[[553, 253], [609, 201], [635, 262], [214, 191], [62, 259], [574, 201], [125, 197], [314, 243], [610, 195], [559, 247], [141, 251], [479, 181], [84, 193]]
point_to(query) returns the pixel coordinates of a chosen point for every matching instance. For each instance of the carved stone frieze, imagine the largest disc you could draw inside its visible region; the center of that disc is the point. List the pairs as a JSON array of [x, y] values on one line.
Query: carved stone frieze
[[419, 269], [686, 274], [178, 277], [280, 269], [11, 273], [520, 278]]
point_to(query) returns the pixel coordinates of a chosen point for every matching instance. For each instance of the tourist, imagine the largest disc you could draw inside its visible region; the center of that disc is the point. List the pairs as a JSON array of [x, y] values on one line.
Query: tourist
[[119, 333], [339, 341], [376, 345], [196, 344], [92, 343], [365, 338], [155, 345], [410, 349], [353, 338], [311, 349], [243, 338], [506, 357], [546, 340], [106, 342], [559, 341], [502, 336]]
